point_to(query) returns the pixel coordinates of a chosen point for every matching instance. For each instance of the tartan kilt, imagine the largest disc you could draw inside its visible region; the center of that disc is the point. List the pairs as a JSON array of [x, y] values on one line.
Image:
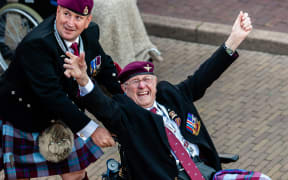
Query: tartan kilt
[[20, 156], [239, 174]]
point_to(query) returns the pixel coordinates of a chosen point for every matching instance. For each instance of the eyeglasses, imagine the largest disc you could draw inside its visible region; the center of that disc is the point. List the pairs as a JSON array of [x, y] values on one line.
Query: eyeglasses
[[135, 82]]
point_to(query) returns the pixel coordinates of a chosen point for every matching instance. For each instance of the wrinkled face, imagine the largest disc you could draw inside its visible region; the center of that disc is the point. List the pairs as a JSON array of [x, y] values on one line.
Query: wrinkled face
[[69, 24], [141, 89]]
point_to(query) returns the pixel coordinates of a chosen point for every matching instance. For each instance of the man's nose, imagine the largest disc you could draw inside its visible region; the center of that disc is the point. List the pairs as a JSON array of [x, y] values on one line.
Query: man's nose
[[141, 84], [70, 21]]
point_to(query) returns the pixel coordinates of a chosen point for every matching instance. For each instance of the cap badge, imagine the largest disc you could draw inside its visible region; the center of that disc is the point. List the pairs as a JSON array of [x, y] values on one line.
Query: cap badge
[[85, 11], [147, 67]]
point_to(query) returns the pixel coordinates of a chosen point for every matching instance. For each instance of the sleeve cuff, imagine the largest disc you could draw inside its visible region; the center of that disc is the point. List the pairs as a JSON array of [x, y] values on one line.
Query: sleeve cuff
[[88, 130], [230, 52], [84, 90]]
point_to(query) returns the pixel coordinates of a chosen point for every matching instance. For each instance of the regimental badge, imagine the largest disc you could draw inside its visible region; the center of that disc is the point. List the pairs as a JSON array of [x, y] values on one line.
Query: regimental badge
[[193, 124], [174, 117], [95, 65], [85, 11], [147, 67]]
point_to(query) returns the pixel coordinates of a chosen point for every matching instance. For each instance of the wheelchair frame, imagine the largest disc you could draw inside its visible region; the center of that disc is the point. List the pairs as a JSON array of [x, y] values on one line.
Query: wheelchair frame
[[16, 20]]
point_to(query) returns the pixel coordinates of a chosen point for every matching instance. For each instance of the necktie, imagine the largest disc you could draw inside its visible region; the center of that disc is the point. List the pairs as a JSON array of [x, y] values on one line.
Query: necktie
[[182, 155], [74, 46], [154, 110]]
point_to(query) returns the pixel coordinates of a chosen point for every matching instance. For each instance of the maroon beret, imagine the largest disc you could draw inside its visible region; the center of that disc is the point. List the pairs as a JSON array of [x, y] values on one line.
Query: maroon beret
[[82, 7], [135, 68]]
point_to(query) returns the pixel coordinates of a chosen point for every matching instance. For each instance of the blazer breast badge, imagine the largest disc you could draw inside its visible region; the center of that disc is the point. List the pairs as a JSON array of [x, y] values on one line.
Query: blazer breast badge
[[174, 117], [95, 65], [193, 124]]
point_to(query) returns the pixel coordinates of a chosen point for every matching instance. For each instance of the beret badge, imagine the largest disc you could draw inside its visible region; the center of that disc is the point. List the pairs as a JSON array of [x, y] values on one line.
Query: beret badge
[[147, 67], [85, 11]]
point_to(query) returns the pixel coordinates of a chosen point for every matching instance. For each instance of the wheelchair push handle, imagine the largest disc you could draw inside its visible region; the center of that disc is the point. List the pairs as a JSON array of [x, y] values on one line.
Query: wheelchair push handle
[[113, 168]]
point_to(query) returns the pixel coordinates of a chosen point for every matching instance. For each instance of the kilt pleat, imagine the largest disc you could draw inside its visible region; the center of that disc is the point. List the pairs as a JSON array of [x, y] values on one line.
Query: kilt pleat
[[20, 156]]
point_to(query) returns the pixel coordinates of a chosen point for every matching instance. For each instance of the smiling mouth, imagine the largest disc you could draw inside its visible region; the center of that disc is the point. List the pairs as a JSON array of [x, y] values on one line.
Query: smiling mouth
[[68, 29], [143, 93]]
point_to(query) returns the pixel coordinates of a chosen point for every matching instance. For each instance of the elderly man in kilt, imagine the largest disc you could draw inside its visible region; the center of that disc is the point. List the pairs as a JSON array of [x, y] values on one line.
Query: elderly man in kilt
[[35, 94]]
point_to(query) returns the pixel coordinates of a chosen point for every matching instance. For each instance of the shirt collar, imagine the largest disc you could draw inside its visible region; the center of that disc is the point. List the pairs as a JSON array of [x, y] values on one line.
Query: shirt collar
[[69, 43], [154, 105]]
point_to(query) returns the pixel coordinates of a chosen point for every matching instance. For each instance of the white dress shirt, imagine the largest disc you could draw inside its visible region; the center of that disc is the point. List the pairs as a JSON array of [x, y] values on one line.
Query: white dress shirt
[[192, 149]]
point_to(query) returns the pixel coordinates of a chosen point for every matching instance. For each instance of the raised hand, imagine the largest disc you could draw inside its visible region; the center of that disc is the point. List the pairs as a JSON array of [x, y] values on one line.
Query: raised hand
[[76, 67], [240, 30]]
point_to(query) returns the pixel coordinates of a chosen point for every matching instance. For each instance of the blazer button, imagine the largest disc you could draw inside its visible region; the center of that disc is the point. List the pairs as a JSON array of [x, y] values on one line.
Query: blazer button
[[73, 102], [52, 121], [176, 178], [13, 92], [20, 99], [28, 106], [113, 74]]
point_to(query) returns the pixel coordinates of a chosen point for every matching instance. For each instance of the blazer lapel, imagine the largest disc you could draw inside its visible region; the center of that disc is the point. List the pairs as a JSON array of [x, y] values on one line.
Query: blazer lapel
[[161, 128]]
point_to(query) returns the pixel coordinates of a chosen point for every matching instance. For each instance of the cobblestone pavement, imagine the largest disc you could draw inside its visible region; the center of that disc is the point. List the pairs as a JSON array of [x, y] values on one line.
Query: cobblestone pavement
[[245, 110], [266, 14]]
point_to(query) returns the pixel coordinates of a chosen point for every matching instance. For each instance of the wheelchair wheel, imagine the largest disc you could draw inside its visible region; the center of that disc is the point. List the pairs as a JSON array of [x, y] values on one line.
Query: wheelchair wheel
[[16, 20]]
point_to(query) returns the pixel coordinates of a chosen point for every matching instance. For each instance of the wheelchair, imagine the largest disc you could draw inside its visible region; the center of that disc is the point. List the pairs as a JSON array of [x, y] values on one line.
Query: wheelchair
[[120, 171], [18, 18]]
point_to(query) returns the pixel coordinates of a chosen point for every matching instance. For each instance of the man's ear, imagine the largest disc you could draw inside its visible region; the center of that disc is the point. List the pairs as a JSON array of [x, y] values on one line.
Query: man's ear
[[123, 87], [89, 18], [58, 10]]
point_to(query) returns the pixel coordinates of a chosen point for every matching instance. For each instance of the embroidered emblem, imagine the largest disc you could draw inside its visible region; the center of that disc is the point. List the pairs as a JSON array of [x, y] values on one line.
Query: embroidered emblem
[[85, 11], [148, 67], [172, 114], [95, 65], [174, 117], [192, 124]]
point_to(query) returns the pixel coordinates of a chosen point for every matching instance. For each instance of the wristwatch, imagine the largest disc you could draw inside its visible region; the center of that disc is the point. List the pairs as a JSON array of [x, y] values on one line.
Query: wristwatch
[[228, 50]]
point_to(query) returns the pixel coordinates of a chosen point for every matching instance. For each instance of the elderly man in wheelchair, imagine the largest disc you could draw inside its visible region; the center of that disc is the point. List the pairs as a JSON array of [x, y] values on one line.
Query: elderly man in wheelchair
[[160, 131]]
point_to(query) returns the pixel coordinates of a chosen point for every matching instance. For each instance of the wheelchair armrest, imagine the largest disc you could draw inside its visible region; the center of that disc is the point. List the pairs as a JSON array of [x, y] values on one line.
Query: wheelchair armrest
[[227, 158]]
